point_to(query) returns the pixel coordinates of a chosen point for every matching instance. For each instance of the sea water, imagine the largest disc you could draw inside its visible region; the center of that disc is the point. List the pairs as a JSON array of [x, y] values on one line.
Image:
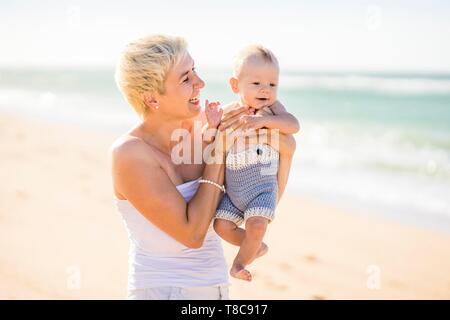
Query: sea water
[[374, 142]]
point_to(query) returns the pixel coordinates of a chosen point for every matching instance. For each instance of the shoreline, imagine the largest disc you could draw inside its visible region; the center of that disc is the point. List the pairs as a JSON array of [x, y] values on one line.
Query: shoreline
[[432, 223], [58, 227], [411, 216]]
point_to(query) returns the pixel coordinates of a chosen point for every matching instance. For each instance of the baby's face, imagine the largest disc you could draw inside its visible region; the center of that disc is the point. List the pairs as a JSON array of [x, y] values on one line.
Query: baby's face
[[257, 83]]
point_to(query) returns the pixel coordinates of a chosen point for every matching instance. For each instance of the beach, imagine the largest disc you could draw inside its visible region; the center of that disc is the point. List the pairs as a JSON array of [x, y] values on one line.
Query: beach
[[62, 238]]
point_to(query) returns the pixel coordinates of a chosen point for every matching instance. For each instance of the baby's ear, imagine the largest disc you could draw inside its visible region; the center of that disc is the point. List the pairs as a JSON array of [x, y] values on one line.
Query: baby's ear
[[234, 84]]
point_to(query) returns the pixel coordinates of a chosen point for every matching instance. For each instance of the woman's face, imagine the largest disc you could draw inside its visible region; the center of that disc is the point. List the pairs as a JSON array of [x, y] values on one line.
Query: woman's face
[[182, 97]]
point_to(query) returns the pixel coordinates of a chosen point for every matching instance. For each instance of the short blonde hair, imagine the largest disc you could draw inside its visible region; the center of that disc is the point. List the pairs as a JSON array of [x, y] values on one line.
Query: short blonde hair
[[144, 65], [249, 52]]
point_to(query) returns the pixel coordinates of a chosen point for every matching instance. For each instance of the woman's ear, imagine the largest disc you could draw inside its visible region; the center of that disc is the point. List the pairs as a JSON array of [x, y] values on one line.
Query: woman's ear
[[234, 84], [150, 101]]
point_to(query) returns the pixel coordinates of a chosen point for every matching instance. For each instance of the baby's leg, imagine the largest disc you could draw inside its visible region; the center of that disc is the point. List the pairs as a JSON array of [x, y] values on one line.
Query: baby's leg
[[253, 189], [255, 229], [231, 233], [228, 218]]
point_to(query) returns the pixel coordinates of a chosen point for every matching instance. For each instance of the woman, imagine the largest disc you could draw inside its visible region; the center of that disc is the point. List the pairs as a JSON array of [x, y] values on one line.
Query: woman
[[166, 207]]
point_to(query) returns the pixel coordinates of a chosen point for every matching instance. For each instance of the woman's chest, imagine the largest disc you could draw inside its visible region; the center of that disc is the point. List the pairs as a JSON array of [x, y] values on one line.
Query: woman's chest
[[182, 173]]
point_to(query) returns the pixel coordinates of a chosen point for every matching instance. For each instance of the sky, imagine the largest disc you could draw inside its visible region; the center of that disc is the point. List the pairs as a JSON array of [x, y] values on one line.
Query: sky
[[305, 35]]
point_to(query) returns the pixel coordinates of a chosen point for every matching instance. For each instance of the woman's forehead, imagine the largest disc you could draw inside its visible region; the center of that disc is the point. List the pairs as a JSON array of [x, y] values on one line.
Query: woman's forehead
[[184, 64]]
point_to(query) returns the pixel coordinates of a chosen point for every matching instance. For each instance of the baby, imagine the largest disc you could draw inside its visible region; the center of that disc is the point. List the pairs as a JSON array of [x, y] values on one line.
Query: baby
[[251, 171]]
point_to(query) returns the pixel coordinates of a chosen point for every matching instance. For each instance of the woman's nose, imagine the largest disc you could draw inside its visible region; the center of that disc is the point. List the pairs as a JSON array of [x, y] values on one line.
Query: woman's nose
[[199, 83]]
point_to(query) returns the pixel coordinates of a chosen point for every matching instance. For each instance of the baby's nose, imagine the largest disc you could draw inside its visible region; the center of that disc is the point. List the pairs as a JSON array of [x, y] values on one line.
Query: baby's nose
[[265, 89]]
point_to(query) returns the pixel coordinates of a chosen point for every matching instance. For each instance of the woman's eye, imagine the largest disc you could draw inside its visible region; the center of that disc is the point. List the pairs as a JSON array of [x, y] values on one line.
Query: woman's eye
[[186, 80]]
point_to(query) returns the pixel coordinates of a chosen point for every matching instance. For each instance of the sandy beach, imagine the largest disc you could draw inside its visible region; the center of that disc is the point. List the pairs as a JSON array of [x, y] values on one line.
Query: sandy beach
[[61, 237]]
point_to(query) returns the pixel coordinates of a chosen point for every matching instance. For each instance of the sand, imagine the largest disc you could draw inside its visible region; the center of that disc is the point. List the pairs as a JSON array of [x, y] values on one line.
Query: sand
[[61, 237]]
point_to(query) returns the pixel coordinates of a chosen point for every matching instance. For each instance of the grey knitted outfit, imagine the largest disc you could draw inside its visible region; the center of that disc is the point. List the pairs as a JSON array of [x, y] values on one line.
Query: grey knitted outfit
[[251, 184]]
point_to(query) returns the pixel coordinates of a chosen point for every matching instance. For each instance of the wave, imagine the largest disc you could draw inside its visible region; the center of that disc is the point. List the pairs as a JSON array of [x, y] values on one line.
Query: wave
[[366, 83], [77, 108], [379, 148], [398, 170], [399, 165]]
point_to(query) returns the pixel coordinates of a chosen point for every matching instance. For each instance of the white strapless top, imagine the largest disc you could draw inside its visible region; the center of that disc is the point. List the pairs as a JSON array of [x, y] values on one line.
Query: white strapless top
[[158, 260]]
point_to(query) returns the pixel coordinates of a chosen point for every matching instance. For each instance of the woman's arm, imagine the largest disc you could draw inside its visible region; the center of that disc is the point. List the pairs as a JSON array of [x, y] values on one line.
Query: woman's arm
[[138, 177], [287, 148]]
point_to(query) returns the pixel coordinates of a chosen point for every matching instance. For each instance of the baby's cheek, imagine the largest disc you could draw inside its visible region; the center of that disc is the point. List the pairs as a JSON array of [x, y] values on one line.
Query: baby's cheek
[[275, 94], [248, 98]]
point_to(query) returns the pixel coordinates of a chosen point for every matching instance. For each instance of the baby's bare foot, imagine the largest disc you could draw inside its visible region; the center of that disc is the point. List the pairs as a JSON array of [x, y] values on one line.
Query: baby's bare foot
[[238, 271], [262, 250]]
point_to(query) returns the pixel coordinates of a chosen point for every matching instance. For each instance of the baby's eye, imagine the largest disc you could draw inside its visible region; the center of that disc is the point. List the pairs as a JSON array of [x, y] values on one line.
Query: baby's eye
[[273, 84], [256, 83]]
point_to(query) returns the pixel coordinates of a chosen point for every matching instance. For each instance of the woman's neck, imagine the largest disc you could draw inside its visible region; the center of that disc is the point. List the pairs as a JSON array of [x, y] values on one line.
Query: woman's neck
[[158, 132]]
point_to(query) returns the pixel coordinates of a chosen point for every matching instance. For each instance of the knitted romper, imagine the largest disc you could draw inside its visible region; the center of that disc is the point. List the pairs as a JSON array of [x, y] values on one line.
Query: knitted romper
[[251, 184]]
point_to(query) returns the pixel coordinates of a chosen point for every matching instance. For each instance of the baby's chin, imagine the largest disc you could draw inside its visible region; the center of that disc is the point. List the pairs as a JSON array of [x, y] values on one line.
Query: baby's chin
[[261, 104], [257, 104]]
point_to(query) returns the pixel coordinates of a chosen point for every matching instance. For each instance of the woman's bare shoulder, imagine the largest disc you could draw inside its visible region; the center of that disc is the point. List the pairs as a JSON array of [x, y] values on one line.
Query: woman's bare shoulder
[[128, 147], [133, 162]]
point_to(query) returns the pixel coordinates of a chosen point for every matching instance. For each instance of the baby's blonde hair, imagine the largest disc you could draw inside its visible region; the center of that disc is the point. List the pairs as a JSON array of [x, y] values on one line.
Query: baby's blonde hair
[[252, 51], [144, 65]]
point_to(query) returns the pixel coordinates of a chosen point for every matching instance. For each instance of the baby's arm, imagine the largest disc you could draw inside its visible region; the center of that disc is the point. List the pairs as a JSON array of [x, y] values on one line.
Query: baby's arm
[[213, 113], [283, 120], [280, 119]]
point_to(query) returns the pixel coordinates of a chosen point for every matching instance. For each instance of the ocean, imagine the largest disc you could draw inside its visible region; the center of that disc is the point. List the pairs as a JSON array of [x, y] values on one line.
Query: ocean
[[376, 143]]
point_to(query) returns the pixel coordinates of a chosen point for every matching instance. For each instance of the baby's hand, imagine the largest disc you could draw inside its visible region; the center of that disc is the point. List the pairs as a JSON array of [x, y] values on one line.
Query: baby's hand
[[213, 113]]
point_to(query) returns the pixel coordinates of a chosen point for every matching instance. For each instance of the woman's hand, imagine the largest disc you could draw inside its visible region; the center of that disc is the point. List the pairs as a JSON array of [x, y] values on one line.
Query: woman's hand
[[231, 126], [226, 134], [252, 122], [232, 117]]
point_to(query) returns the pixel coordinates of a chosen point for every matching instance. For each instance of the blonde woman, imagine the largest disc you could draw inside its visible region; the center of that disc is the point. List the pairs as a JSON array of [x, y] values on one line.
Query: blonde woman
[[167, 205]]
